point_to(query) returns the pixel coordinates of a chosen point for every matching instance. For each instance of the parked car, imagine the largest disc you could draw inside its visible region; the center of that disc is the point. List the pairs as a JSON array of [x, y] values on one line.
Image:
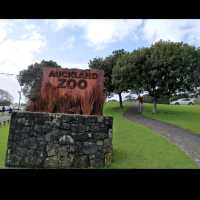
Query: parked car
[[112, 97], [185, 101], [125, 97], [130, 98]]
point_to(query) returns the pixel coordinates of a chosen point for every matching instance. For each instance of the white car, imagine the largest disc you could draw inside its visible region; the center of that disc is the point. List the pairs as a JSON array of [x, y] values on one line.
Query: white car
[[185, 101], [125, 97], [130, 98], [113, 97]]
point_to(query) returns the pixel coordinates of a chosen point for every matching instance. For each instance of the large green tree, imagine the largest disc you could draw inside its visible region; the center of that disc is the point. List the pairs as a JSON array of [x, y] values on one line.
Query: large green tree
[[107, 64], [166, 68], [103, 64], [174, 67], [5, 98], [127, 73], [30, 79]]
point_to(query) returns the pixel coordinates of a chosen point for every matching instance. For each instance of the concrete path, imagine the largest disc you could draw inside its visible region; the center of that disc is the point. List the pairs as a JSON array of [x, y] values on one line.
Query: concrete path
[[185, 139]]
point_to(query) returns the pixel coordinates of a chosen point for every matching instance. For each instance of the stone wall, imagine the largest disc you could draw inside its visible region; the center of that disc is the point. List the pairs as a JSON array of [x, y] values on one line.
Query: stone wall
[[55, 140]]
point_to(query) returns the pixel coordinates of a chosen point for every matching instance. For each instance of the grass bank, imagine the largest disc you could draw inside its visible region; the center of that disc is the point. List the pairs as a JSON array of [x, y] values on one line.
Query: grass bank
[[136, 146], [185, 116], [3, 145]]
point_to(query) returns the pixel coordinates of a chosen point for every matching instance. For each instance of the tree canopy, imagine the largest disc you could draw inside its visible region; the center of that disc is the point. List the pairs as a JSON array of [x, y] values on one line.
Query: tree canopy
[[107, 64], [5, 98], [127, 72], [162, 69], [30, 79]]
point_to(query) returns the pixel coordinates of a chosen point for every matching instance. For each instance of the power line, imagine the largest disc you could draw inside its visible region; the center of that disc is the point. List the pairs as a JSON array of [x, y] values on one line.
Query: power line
[[8, 74]]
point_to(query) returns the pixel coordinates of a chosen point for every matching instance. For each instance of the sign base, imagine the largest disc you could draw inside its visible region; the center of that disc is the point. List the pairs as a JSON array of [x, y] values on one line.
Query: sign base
[[57, 140]]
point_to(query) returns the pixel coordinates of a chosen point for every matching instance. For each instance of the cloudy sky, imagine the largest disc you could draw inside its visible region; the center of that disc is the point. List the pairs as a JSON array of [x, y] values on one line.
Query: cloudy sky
[[72, 43]]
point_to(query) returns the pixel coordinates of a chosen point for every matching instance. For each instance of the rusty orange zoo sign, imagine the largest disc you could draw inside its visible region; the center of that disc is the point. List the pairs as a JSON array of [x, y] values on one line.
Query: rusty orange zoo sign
[[70, 91]]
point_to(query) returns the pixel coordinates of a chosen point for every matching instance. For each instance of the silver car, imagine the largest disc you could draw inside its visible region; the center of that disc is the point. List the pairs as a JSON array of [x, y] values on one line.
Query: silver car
[[185, 101]]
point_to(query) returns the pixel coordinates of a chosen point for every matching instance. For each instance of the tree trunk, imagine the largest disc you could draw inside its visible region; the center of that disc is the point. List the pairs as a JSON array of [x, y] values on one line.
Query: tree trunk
[[154, 105], [120, 100]]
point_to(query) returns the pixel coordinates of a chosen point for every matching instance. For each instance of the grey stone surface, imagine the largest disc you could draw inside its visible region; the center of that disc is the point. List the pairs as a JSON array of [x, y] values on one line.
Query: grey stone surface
[[48, 140]]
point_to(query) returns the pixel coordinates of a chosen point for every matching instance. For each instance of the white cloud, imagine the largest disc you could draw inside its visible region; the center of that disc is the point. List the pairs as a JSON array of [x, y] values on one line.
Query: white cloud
[[174, 30], [4, 29], [69, 43], [100, 33], [16, 54], [62, 23], [74, 65], [30, 27]]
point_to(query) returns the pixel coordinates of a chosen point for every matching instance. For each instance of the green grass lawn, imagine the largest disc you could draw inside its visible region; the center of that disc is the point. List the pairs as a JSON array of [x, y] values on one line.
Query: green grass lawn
[[185, 116], [3, 145], [134, 146]]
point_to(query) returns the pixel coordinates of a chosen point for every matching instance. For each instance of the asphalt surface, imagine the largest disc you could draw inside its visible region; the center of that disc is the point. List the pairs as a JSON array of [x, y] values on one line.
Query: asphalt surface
[[185, 139]]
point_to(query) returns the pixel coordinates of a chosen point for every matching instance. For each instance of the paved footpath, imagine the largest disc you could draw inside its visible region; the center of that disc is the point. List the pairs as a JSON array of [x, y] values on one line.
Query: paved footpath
[[185, 139]]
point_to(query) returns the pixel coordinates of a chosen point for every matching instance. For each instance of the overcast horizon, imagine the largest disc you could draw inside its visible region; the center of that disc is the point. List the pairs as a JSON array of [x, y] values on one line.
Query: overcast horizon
[[72, 43]]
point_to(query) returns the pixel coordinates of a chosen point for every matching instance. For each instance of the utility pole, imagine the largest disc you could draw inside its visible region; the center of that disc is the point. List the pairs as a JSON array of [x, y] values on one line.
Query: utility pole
[[19, 99]]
